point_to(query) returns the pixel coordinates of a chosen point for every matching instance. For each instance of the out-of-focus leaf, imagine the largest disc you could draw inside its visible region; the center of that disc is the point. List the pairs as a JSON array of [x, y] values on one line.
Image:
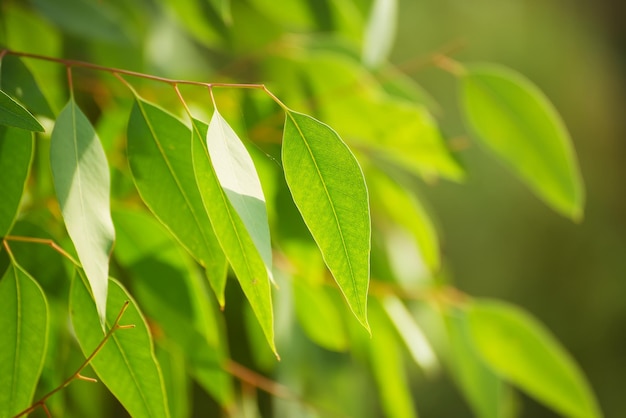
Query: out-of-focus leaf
[[400, 86], [13, 114], [200, 19], [239, 180], [328, 187], [81, 179], [233, 235], [293, 14], [159, 153], [126, 364], [172, 363], [18, 81], [16, 156], [516, 121], [521, 350], [24, 330], [380, 32]]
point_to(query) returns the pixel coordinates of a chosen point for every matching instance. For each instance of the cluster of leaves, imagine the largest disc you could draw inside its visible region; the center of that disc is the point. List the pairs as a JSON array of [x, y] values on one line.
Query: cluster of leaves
[[174, 207]]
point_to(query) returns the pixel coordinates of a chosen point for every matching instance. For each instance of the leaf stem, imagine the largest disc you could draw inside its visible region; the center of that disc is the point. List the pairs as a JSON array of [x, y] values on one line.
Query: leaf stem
[[44, 241], [77, 374]]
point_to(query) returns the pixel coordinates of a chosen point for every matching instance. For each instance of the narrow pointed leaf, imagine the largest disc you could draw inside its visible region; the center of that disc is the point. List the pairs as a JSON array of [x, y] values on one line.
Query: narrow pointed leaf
[[380, 32], [514, 119], [13, 114], [24, 330], [328, 187], [81, 178], [521, 350], [159, 153], [16, 156], [18, 81], [238, 177], [126, 364], [233, 235]]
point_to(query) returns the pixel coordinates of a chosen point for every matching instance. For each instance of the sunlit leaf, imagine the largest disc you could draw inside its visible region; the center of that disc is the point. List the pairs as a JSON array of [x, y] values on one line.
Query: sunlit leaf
[[16, 156], [328, 187], [24, 330], [521, 350], [159, 153], [126, 364], [233, 236], [200, 19], [516, 121], [380, 32], [18, 81], [14, 114], [239, 180], [81, 180]]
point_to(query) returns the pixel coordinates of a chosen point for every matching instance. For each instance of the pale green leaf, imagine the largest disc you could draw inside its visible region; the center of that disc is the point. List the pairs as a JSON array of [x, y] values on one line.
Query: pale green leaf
[[177, 385], [13, 114], [81, 179], [16, 156], [126, 364], [24, 330], [233, 236], [521, 350], [380, 32], [328, 187], [514, 119], [239, 180], [18, 81], [159, 153]]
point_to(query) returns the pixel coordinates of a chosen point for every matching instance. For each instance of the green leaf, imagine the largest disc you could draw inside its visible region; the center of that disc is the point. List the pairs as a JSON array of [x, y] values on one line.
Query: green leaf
[[159, 153], [239, 180], [81, 179], [516, 121], [16, 157], [24, 330], [13, 114], [233, 235], [521, 350], [380, 32], [126, 364], [18, 81], [177, 384], [328, 187]]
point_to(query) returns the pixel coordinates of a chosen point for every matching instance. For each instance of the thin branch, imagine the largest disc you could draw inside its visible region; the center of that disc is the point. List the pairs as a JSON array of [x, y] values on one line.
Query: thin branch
[[43, 241], [77, 374]]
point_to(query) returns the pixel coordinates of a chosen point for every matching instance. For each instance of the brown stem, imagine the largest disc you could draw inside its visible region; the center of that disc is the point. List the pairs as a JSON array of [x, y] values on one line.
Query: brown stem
[[44, 241]]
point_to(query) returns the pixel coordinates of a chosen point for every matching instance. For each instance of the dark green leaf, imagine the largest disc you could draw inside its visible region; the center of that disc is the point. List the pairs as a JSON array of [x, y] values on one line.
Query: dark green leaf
[[24, 331], [328, 187], [13, 114], [81, 178], [18, 81], [126, 364], [516, 121], [16, 156]]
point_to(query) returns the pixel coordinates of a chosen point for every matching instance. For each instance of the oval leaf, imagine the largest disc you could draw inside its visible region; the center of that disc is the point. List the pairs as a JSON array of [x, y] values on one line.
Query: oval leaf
[[81, 178], [16, 157], [380, 32], [24, 330], [518, 123], [233, 235], [13, 114], [523, 351], [328, 187], [126, 364]]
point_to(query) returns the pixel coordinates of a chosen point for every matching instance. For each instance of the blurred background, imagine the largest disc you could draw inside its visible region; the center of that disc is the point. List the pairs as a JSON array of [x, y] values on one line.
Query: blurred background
[[498, 239]]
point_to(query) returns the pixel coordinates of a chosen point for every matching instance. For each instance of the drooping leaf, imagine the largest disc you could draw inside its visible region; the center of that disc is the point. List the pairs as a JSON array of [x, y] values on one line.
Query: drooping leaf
[[516, 121], [24, 330], [233, 236], [159, 153], [239, 180], [521, 350], [177, 384], [126, 364], [81, 179], [14, 114], [16, 156], [380, 32], [18, 81]]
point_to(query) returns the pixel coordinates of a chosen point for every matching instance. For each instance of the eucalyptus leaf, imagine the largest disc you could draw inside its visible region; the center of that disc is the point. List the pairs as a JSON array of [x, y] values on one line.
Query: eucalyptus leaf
[[126, 363], [24, 330], [380, 32], [514, 119], [328, 187], [521, 350], [81, 179], [18, 81], [16, 157], [14, 114]]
